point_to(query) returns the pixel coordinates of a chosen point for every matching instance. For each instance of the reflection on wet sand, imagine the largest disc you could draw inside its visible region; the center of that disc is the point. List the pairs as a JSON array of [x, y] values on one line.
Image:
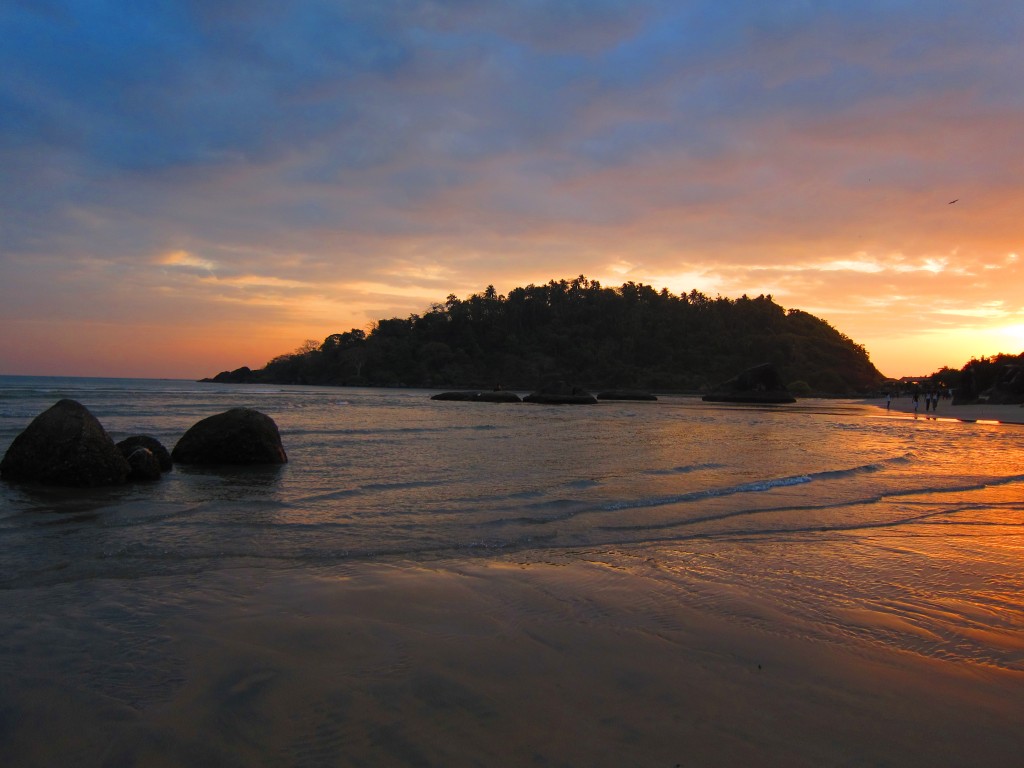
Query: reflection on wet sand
[[897, 648]]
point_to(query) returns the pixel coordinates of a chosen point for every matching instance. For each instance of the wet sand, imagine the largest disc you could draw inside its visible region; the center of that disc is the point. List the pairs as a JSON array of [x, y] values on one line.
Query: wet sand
[[1005, 414], [606, 659]]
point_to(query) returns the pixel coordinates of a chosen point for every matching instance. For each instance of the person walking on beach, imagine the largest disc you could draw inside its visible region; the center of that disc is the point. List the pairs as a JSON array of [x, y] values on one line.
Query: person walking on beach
[[917, 402], [888, 400]]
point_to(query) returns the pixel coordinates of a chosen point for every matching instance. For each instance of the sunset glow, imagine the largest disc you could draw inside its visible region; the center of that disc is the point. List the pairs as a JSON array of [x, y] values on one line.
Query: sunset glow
[[191, 189]]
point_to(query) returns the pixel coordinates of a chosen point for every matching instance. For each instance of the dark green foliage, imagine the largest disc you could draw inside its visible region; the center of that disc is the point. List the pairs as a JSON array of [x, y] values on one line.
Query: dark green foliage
[[800, 389], [579, 331], [996, 379]]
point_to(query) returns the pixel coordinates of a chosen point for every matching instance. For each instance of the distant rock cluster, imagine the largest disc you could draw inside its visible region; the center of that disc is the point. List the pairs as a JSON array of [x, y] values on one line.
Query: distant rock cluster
[[66, 445], [625, 394], [558, 393], [478, 396]]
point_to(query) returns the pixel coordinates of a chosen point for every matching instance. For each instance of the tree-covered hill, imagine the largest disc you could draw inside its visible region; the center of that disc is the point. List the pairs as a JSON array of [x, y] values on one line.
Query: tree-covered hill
[[581, 332]]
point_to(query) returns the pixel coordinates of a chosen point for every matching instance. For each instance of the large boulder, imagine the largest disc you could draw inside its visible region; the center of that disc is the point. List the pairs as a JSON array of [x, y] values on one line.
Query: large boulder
[[65, 445], [760, 384], [478, 396], [130, 444], [560, 393], [238, 436]]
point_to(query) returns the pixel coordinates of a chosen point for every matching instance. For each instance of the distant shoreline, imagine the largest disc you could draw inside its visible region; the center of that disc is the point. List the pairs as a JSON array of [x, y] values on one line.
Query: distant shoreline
[[981, 412]]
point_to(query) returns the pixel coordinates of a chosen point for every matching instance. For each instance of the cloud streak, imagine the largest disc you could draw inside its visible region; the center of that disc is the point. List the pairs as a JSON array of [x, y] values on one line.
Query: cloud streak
[[305, 168]]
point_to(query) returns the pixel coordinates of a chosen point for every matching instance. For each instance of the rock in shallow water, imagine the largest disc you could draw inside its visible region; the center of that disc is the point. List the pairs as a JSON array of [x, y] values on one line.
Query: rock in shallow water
[[238, 436], [130, 444], [144, 465], [625, 394], [477, 396], [65, 445], [560, 393]]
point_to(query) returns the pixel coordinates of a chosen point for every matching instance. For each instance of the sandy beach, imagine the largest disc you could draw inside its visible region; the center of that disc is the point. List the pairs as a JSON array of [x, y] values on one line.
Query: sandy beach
[[431, 586], [582, 660], [1004, 414]]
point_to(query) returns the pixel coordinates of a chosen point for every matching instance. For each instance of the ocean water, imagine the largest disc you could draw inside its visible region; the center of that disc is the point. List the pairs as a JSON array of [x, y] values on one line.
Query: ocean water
[[381, 473], [856, 526]]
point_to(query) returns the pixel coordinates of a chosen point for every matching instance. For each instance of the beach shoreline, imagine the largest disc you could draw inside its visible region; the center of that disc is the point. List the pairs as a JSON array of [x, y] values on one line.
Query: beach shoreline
[[575, 658], [825, 584], [980, 412]]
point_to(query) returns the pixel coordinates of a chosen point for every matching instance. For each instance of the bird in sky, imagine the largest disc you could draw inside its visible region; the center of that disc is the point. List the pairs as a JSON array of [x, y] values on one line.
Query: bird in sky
[[952, 201]]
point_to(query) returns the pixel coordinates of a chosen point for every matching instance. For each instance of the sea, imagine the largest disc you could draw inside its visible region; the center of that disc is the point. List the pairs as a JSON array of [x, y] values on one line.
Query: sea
[[859, 527]]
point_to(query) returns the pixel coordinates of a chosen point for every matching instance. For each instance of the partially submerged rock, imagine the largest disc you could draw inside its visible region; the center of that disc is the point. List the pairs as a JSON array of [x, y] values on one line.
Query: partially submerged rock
[[760, 384], [560, 393], [480, 396], [65, 445], [238, 436], [144, 465], [625, 394], [154, 446]]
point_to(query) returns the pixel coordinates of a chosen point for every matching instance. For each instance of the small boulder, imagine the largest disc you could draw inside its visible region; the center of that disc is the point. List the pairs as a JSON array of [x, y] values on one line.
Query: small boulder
[[65, 445], [238, 436], [144, 465], [154, 446]]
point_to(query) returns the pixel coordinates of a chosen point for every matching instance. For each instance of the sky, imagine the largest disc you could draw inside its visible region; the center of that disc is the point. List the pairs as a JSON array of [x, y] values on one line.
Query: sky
[[188, 187]]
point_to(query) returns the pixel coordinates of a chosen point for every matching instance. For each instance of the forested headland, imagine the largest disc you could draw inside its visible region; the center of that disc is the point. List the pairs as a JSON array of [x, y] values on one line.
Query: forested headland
[[582, 332]]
